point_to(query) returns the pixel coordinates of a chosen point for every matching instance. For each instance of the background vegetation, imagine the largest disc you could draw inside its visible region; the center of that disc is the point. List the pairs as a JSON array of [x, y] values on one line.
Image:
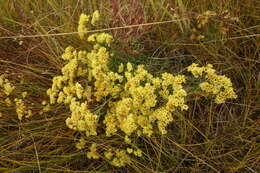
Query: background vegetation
[[207, 138]]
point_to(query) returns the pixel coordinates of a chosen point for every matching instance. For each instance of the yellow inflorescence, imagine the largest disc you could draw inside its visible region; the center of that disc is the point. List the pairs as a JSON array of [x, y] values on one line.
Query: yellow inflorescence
[[121, 158], [21, 109], [95, 17], [7, 91], [93, 152], [83, 20], [81, 144], [130, 101], [6, 87], [218, 85]]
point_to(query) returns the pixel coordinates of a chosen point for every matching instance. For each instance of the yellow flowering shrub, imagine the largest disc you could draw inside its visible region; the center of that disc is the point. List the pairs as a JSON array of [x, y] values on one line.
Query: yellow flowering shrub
[[130, 101]]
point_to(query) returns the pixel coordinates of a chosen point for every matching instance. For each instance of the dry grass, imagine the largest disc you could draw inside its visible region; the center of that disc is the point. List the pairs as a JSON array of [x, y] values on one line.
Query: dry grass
[[207, 138]]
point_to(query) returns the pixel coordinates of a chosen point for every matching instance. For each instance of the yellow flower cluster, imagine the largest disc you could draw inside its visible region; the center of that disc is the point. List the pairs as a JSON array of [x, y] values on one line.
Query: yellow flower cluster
[[130, 101], [95, 17], [81, 118], [71, 93], [118, 157], [137, 110], [6, 90], [21, 109], [85, 79], [93, 152], [46, 107], [6, 87], [83, 20], [81, 144], [218, 85], [101, 38]]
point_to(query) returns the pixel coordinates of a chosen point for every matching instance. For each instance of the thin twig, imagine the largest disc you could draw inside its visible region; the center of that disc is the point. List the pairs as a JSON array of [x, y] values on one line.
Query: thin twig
[[92, 31]]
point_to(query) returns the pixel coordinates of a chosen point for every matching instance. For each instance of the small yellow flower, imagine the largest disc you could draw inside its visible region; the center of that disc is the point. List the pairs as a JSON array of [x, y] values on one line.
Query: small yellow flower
[[108, 155], [81, 144], [120, 159], [44, 102], [1, 80], [93, 152], [129, 67], [8, 101], [79, 90], [138, 152], [29, 113], [61, 97], [83, 20], [95, 17], [129, 150], [127, 140], [121, 68], [67, 55], [195, 70], [8, 88], [46, 108]]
